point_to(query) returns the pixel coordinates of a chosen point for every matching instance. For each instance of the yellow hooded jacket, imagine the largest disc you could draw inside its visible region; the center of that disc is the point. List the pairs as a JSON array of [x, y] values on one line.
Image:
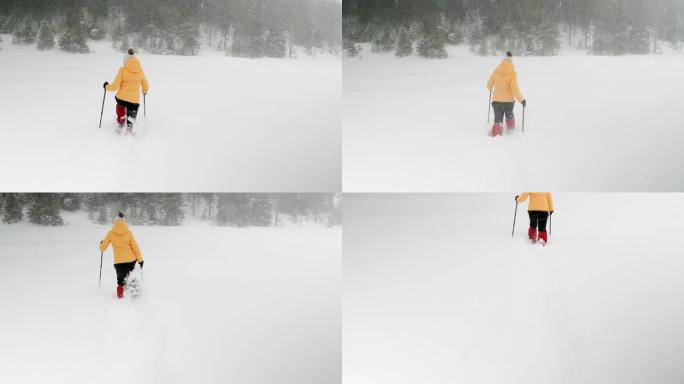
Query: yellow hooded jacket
[[539, 201], [128, 81], [124, 244], [505, 82]]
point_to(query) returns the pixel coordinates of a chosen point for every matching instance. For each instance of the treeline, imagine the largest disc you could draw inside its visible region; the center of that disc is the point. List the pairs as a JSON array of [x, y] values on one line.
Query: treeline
[[242, 28], [528, 27], [170, 209]]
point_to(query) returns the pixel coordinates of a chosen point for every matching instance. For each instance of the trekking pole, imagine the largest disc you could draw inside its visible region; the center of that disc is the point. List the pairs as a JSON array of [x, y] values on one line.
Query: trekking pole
[[144, 106], [102, 110], [99, 283], [523, 119], [489, 106], [515, 215], [550, 226]]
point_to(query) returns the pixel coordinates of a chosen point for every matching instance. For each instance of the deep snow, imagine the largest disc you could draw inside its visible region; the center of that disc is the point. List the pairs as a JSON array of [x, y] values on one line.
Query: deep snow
[[437, 291], [218, 305], [593, 124], [214, 123]]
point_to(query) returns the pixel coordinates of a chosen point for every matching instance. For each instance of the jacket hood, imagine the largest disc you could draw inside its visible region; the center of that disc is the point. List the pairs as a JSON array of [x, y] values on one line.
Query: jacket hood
[[132, 64], [120, 227], [506, 67]]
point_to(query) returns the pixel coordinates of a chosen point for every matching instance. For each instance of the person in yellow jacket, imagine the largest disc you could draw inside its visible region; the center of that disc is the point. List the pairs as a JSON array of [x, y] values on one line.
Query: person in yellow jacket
[[539, 209], [128, 82], [504, 84], [126, 251]]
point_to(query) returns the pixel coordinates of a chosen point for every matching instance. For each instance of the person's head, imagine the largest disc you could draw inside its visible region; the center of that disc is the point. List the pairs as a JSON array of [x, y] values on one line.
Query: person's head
[[509, 56], [128, 55], [121, 215]]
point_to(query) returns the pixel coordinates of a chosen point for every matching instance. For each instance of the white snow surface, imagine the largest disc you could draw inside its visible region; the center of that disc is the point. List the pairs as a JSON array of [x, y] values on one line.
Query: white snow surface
[[436, 290], [592, 124], [214, 123], [218, 305]]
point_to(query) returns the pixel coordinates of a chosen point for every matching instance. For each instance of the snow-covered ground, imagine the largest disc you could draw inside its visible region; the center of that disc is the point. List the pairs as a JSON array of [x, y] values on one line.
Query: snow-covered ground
[[592, 124], [219, 305], [437, 291], [214, 123]]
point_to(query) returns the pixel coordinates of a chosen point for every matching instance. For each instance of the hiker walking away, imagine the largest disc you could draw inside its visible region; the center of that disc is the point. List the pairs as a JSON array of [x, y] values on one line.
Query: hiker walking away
[[126, 251], [504, 84], [539, 209], [128, 82]]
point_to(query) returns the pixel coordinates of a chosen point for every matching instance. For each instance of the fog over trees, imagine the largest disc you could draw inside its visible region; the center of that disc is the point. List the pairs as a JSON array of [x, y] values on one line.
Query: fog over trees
[[242, 28], [170, 209], [528, 27]]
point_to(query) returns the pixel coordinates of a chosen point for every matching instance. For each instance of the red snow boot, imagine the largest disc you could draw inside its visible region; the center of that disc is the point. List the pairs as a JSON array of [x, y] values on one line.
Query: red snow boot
[[510, 123], [532, 233], [119, 291], [543, 238], [497, 129], [120, 115]]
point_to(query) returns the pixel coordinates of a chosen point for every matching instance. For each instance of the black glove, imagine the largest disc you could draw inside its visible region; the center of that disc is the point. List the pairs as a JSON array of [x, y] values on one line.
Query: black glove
[[516, 197], [551, 213], [524, 103], [101, 242], [141, 264], [106, 83]]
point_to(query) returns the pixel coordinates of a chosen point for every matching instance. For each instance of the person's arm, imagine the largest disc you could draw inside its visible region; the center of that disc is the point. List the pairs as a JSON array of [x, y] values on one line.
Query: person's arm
[[490, 83], [145, 85], [516, 88], [550, 201], [116, 84], [523, 197], [136, 249], [105, 243]]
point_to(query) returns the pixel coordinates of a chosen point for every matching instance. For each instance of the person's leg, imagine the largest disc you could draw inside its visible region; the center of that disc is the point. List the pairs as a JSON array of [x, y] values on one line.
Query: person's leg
[[543, 217], [132, 113], [120, 112], [532, 231], [121, 273], [498, 112], [498, 118], [510, 119]]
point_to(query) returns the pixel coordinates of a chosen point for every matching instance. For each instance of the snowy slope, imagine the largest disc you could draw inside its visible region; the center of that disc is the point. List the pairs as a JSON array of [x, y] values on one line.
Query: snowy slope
[[436, 291], [219, 305], [214, 123], [592, 124]]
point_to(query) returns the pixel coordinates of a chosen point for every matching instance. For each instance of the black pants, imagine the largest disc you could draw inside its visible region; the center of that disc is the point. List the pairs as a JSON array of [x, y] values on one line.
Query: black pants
[[122, 270], [501, 109], [131, 108], [538, 219]]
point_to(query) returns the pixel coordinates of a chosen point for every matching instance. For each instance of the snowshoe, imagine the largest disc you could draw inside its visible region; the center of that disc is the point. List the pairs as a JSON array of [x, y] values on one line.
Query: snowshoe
[[134, 282]]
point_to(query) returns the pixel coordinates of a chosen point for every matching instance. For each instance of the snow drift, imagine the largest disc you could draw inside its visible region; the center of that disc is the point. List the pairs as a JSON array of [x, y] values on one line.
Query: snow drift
[[593, 124], [437, 291], [217, 305], [214, 123]]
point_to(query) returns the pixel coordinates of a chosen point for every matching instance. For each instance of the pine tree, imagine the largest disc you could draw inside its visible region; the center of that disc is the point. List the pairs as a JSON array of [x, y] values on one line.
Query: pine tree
[[275, 44], [44, 209], [27, 34], [46, 37], [13, 212], [171, 209], [404, 44], [233, 209], [351, 48], [262, 210], [433, 46], [75, 37]]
